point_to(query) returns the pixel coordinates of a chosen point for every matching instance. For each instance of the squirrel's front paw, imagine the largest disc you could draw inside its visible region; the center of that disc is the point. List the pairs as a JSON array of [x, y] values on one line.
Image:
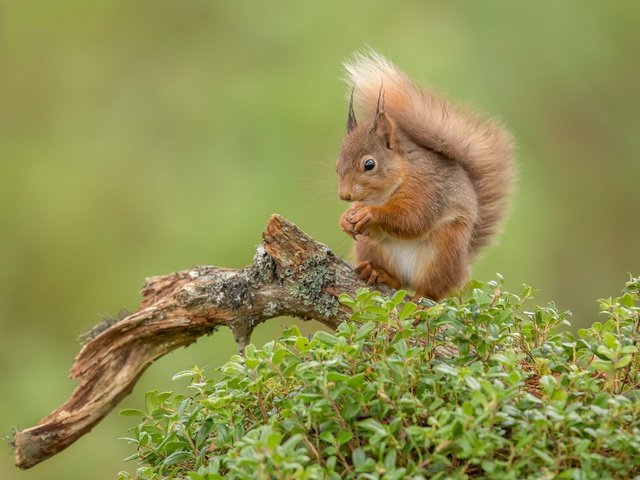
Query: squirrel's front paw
[[360, 217], [346, 225], [355, 220]]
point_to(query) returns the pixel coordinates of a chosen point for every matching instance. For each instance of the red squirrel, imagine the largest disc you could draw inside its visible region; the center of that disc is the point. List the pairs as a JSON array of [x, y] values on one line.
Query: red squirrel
[[429, 181]]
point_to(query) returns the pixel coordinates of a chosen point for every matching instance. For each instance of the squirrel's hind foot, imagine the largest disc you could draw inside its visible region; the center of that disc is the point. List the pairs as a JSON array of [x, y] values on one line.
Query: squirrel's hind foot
[[373, 275]]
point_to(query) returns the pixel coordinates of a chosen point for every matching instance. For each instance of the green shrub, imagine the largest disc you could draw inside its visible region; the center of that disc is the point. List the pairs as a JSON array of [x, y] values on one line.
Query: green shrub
[[472, 387]]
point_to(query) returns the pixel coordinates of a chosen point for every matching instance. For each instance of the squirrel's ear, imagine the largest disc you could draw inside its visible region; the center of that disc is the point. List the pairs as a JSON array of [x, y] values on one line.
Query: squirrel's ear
[[383, 126], [351, 118]]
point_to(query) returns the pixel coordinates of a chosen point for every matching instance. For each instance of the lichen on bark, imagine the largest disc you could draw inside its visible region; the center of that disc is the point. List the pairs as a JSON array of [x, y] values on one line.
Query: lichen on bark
[[312, 278]]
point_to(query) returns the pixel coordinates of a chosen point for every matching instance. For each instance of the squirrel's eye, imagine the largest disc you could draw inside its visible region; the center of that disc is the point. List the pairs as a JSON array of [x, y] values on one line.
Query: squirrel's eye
[[369, 164]]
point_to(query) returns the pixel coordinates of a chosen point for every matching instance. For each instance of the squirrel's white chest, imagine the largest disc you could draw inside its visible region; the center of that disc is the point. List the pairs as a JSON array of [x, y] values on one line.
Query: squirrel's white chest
[[409, 258]]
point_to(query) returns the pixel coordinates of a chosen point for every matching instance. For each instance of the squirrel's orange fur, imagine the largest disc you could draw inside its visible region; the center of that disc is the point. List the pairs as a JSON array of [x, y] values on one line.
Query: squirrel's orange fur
[[429, 181]]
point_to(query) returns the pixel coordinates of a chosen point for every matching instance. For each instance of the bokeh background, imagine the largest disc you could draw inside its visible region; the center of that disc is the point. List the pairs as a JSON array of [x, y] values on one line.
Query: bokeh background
[[140, 138]]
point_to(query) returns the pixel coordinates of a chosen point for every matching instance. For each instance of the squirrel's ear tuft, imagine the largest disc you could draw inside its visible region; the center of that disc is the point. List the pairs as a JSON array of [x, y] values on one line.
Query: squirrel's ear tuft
[[351, 118], [382, 124]]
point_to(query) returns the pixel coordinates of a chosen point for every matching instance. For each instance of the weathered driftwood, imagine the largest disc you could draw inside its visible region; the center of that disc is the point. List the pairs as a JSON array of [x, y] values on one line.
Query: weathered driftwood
[[291, 274]]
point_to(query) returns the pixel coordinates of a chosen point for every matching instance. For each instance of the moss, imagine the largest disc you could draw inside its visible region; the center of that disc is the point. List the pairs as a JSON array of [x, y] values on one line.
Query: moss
[[271, 309], [241, 331], [105, 323], [263, 269], [314, 275], [233, 291], [10, 438]]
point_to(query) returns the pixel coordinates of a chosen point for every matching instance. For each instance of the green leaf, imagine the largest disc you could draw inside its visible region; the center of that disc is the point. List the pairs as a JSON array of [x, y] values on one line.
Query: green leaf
[[602, 365], [472, 383], [359, 457], [610, 340], [327, 436], [195, 476], [351, 409], [151, 401], [623, 362], [204, 431], [302, 344], [252, 363], [629, 349], [379, 311], [373, 426], [250, 351], [548, 459], [273, 440], [548, 383], [627, 300], [347, 300], [357, 380], [584, 332], [344, 436], [364, 330], [605, 352], [489, 466], [398, 297], [184, 374], [178, 457], [338, 377], [292, 331], [279, 355], [390, 460], [468, 409], [457, 428], [446, 369], [132, 412], [326, 338], [408, 309]]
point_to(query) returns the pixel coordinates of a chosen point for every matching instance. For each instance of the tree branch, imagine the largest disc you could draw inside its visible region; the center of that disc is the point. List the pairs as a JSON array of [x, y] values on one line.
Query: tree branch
[[291, 274]]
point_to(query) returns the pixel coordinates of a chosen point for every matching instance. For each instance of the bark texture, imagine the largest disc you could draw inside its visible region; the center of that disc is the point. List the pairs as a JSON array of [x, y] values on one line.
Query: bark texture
[[291, 274]]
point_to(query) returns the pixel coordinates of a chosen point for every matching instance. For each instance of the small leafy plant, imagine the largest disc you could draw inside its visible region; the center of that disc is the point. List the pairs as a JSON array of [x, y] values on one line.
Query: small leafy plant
[[476, 386]]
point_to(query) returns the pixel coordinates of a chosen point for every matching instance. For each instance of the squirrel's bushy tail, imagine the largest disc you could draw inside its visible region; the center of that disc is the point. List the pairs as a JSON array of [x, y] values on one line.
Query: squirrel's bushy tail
[[482, 146]]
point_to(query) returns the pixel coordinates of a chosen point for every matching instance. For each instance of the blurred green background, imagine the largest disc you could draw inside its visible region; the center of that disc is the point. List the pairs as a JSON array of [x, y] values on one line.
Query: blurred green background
[[140, 138]]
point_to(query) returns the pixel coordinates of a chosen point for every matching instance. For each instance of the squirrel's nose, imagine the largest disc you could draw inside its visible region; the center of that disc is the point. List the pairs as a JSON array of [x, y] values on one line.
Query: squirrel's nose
[[345, 196]]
